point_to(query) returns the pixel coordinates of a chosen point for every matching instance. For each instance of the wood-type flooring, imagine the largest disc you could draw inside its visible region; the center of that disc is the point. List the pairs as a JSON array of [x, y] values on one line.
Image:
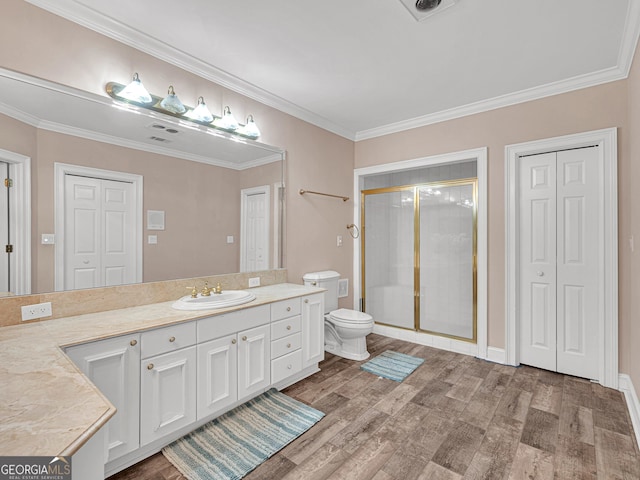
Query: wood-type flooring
[[455, 417]]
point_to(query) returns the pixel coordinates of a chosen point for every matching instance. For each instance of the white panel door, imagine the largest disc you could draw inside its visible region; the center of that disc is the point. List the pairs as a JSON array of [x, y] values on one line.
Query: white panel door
[[99, 246], [579, 244], [4, 230], [113, 365], [538, 260], [559, 257], [217, 375], [167, 394], [254, 360], [312, 330], [255, 229]]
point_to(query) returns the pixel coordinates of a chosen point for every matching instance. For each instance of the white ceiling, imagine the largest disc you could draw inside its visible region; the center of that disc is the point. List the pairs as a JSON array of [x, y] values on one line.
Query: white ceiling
[[362, 68]]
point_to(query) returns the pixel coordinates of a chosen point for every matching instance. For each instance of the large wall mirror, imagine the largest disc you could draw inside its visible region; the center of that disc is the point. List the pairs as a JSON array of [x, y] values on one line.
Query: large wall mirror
[[105, 194]]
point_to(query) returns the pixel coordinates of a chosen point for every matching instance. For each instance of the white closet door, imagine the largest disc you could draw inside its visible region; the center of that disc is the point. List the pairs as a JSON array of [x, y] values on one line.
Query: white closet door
[[538, 260], [99, 246], [560, 225], [255, 229], [4, 230], [579, 244]]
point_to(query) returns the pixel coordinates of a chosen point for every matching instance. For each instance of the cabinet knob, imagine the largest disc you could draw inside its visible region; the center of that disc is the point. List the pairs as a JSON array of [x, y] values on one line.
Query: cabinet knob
[[306, 300], [150, 366], [288, 327], [288, 345], [288, 309], [289, 366], [234, 341], [540, 273], [172, 339], [133, 343], [244, 338]]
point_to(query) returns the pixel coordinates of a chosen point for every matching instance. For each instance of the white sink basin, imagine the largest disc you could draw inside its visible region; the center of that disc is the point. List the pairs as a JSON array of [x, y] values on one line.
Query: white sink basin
[[228, 298]]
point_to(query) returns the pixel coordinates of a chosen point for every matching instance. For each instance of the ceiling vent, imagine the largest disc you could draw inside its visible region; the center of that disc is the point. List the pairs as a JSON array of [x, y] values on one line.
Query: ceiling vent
[[164, 128], [421, 9], [159, 139]]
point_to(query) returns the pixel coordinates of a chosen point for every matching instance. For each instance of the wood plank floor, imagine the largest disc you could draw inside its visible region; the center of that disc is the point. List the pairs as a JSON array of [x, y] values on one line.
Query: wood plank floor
[[455, 417]]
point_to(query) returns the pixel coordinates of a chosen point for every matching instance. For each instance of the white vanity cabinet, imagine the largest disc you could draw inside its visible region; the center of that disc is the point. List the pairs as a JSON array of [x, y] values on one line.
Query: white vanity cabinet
[[167, 381], [286, 339], [312, 330], [233, 358], [113, 365]]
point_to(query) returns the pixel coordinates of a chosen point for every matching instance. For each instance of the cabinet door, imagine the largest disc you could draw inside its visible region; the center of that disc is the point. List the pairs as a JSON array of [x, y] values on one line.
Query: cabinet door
[[113, 366], [254, 360], [167, 394], [217, 375], [312, 329]]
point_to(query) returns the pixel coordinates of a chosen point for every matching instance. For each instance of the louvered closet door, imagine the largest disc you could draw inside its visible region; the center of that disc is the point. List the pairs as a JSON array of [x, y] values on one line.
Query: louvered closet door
[[559, 258]]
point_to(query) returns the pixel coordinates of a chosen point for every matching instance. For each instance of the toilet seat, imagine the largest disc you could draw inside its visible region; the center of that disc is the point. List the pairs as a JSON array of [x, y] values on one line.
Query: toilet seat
[[353, 317]]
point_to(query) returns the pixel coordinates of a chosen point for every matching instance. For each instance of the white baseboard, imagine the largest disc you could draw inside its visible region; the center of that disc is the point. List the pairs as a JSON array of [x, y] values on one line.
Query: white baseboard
[[625, 385], [496, 355]]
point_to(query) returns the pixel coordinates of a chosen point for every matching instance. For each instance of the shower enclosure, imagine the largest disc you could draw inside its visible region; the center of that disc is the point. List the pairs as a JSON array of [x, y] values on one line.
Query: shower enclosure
[[419, 254]]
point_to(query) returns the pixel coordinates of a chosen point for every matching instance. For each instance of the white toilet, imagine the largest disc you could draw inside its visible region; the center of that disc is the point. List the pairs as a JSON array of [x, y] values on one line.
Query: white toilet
[[345, 331]]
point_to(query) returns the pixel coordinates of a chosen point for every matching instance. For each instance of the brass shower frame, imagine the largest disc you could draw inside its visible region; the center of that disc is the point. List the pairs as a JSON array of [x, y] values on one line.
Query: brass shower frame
[[416, 250]]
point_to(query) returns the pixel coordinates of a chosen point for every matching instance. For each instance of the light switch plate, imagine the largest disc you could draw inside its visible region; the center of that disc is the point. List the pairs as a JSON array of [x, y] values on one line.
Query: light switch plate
[[254, 282], [37, 310]]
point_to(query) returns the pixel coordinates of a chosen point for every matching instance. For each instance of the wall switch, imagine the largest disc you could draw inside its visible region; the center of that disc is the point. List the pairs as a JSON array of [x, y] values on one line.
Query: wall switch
[[254, 282], [48, 239], [38, 310], [152, 239], [339, 241], [230, 239]]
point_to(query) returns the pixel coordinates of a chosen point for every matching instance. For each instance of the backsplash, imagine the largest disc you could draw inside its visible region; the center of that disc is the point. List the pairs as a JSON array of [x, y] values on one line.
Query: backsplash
[[80, 302]]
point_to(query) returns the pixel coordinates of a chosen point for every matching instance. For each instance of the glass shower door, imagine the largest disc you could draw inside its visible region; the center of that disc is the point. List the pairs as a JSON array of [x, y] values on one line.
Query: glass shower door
[[388, 268], [447, 258]]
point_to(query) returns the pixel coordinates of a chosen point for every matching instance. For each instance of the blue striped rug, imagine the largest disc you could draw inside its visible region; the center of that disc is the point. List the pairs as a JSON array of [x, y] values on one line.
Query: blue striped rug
[[235, 443], [393, 365]]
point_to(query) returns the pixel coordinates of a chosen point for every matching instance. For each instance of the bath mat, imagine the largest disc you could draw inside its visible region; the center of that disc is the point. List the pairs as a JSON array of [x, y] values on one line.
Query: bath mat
[[393, 365], [235, 443]]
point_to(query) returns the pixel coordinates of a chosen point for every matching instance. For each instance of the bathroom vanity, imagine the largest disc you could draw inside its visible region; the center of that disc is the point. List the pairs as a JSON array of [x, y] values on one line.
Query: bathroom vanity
[[151, 374]]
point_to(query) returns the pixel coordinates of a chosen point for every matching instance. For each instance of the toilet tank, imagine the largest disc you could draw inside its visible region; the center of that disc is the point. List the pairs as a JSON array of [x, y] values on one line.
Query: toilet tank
[[327, 279]]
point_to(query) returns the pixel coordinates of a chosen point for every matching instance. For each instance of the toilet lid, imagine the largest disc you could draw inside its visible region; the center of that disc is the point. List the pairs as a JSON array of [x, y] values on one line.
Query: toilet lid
[[350, 316]]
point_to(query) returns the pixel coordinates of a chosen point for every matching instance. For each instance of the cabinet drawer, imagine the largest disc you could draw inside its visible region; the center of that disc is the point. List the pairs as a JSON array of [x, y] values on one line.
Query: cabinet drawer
[[285, 345], [285, 308], [286, 366], [285, 327], [230, 323], [168, 339]]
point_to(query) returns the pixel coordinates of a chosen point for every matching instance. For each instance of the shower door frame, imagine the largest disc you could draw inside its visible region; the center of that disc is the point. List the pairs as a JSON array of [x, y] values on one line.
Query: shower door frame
[[480, 348], [417, 265]]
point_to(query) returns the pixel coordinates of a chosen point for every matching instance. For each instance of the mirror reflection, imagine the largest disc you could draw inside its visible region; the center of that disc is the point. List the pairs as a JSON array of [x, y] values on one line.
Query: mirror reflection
[[118, 195]]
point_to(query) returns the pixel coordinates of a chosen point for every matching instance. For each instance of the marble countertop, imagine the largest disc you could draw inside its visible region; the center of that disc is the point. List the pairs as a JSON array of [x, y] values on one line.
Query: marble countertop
[[47, 406]]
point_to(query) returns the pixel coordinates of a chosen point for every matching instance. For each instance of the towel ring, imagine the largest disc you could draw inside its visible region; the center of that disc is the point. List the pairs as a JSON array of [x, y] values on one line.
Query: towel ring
[[351, 227]]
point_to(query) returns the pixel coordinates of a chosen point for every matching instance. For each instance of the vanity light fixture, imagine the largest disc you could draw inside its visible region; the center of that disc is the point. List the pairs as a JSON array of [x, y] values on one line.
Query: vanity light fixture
[[201, 113], [172, 103], [228, 121], [250, 128], [136, 94], [135, 91]]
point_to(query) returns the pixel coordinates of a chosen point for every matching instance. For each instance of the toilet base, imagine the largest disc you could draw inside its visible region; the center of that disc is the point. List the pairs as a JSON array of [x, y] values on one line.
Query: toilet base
[[352, 349]]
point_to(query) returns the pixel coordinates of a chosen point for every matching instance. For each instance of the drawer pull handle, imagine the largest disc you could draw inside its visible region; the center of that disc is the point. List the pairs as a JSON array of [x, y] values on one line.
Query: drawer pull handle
[[288, 327], [133, 343], [234, 341], [288, 345], [150, 366], [288, 309], [172, 339], [244, 338]]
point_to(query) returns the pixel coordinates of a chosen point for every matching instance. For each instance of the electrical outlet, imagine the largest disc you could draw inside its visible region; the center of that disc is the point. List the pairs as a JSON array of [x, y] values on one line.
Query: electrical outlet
[[254, 282], [38, 310]]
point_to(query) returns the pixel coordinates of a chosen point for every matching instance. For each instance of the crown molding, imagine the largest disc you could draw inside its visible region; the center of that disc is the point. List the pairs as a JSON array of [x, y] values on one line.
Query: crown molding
[[89, 18]]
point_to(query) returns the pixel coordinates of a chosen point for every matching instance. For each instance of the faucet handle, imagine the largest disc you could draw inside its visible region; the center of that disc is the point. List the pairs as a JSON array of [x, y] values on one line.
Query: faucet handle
[[218, 288], [206, 290], [194, 291]]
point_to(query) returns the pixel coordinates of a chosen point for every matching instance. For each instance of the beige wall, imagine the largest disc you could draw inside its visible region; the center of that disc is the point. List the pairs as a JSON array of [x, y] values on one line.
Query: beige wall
[[40, 44], [584, 110], [630, 218]]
